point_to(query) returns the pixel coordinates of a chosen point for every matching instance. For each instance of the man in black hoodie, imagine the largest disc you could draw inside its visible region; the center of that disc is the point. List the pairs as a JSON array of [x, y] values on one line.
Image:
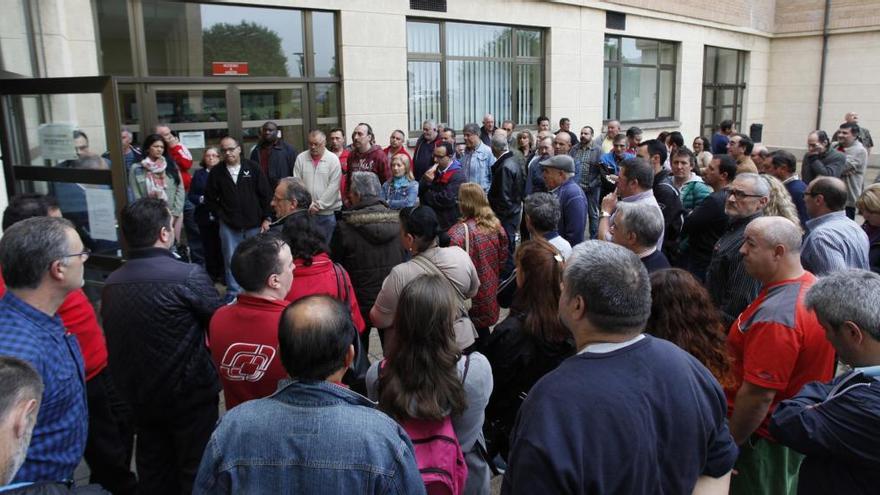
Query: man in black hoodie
[[666, 194]]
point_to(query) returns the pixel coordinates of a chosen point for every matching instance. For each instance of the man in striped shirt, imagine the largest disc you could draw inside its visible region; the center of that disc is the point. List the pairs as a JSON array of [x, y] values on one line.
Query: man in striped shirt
[[834, 242]]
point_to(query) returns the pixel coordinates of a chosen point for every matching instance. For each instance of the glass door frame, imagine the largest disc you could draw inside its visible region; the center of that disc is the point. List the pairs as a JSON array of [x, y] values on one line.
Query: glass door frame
[[12, 142]]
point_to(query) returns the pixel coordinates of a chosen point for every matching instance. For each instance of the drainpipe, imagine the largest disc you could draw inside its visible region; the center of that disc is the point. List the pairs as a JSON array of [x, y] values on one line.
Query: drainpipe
[[822, 69]]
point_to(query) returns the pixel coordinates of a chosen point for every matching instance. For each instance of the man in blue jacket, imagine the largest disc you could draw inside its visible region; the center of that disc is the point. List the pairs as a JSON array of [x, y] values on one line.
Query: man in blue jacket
[[837, 425], [558, 172]]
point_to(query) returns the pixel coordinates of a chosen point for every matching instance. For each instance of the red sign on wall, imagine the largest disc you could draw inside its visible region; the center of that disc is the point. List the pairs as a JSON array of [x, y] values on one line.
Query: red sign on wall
[[229, 68]]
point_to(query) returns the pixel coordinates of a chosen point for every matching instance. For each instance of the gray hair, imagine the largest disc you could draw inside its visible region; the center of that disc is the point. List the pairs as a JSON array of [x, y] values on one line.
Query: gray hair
[[643, 220], [365, 184], [613, 283], [499, 141], [761, 186], [295, 190], [18, 381], [543, 211], [778, 231], [430, 123], [639, 170], [845, 296], [29, 247], [471, 129]]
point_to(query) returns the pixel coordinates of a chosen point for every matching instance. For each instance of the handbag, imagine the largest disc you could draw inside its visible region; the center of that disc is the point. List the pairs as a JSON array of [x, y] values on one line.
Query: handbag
[[465, 332]]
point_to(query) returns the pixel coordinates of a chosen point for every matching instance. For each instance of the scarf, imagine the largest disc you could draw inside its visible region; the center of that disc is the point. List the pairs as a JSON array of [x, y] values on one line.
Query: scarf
[[399, 182], [447, 174], [155, 178]]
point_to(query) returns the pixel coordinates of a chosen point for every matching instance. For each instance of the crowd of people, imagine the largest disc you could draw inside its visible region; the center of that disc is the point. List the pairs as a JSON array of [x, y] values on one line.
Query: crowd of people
[[675, 318]]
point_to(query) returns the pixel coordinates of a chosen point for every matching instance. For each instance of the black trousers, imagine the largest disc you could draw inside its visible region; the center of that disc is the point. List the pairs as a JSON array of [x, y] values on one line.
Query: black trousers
[[170, 446], [111, 437]]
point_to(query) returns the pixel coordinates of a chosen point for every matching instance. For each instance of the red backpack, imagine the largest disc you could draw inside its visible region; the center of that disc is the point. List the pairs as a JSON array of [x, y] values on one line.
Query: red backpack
[[438, 453]]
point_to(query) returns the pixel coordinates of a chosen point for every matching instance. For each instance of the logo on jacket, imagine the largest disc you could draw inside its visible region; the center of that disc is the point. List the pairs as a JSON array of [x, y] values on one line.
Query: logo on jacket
[[246, 362]]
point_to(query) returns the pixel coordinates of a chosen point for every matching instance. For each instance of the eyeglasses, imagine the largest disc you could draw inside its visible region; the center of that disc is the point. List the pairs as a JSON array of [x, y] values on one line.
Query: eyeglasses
[[742, 194], [277, 199], [229, 150], [84, 254]]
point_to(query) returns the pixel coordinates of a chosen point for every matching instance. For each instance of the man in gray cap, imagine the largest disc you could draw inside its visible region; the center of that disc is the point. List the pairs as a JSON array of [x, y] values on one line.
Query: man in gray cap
[[558, 173]]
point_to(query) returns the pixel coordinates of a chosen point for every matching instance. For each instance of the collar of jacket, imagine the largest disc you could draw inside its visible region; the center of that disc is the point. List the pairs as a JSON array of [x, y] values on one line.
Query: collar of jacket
[[318, 393], [366, 203], [150, 252]]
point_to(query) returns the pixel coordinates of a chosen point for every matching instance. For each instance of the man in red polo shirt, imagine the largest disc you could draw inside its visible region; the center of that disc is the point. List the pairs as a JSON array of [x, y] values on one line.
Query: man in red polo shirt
[[243, 337], [777, 346]]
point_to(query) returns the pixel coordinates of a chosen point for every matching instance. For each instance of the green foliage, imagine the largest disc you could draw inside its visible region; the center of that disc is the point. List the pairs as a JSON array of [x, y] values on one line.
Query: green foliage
[[245, 42]]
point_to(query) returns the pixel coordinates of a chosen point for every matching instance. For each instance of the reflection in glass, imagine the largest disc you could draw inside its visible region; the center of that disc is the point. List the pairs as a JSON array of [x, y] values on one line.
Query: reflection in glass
[[667, 53], [326, 101], [667, 90], [75, 201], [528, 93], [114, 37], [291, 134], [727, 68], [609, 87], [638, 92], [638, 51], [422, 37], [528, 44], [612, 49], [324, 44], [191, 106], [423, 92], [184, 39], [271, 104], [471, 40], [476, 87]]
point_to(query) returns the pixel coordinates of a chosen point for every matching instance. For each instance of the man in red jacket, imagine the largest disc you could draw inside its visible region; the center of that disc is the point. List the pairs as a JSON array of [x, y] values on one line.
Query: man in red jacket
[[243, 337], [366, 155], [111, 435]]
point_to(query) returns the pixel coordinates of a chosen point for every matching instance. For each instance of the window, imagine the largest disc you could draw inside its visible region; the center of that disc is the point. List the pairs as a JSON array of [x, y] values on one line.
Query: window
[[723, 87], [458, 72], [639, 79]]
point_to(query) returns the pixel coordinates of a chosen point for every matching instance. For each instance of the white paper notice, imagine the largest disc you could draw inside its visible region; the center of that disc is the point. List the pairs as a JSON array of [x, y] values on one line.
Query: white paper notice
[[56, 141], [193, 139], [102, 217]]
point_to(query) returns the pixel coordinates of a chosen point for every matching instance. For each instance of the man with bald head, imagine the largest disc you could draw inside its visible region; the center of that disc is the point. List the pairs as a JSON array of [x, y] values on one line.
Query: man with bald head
[[777, 346], [834, 242], [488, 129], [612, 129], [368, 451]]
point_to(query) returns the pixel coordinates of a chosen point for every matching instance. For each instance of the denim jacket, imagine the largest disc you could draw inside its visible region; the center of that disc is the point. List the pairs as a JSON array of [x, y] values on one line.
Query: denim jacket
[[477, 166], [308, 437], [400, 197]]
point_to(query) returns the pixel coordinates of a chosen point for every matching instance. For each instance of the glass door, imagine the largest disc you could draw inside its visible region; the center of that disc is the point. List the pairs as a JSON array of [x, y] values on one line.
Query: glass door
[[286, 105], [199, 114]]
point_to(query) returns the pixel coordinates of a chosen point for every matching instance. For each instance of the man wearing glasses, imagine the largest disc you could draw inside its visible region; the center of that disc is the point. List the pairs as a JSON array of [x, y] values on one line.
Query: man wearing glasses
[[42, 260], [731, 287], [239, 195], [438, 187]]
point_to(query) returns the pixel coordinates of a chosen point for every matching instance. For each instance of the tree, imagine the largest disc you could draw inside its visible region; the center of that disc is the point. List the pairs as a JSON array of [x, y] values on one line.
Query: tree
[[247, 42]]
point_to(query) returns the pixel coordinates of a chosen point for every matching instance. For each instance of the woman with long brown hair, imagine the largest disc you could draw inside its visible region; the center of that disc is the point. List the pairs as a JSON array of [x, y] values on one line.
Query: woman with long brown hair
[[683, 313], [480, 234], [425, 376], [530, 342]]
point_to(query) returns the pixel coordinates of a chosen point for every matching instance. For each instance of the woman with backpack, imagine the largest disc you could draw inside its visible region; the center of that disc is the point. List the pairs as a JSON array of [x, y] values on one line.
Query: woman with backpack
[[481, 236], [427, 243], [529, 343], [436, 393]]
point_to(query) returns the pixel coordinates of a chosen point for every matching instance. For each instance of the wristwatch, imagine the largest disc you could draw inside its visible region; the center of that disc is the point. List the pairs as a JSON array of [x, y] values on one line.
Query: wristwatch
[[604, 214]]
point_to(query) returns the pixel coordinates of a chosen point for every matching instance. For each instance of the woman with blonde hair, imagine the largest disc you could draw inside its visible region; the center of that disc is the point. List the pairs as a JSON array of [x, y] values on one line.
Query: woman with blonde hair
[[780, 203], [401, 190], [480, 234], [869, 207]]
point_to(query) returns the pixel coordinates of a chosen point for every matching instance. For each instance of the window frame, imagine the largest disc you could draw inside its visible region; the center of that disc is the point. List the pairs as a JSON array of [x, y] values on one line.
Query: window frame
[[618, 65], [443, 59], [717, 105]]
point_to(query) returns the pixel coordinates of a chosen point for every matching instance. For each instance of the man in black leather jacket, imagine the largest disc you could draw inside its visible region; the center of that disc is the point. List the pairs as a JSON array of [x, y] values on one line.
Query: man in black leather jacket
[[506, 193], [155, 310]]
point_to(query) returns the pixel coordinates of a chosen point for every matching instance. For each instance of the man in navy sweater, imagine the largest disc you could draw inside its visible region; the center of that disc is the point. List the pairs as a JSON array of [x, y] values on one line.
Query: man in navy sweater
[[629, 413], [559, 175]]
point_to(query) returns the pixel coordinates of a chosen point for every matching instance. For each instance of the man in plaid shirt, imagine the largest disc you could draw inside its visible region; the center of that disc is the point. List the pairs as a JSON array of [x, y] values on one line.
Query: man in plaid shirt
[[42, 260]]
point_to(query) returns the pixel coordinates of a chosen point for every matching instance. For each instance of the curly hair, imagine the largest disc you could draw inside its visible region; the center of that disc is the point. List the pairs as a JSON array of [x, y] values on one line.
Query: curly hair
[[474, 204], [420, 377], [541, 267], [780, 203], [303, 237], [683, 313]]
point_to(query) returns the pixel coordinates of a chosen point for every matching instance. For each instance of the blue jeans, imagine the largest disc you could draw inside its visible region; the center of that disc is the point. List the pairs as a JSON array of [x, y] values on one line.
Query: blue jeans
[[230, 238], [593, 201], [326, 224]]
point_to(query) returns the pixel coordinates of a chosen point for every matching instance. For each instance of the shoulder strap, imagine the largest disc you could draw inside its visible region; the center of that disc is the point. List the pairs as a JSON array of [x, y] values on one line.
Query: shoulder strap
[[467, 365], [341, 287], [467, 238], [430, 267]]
